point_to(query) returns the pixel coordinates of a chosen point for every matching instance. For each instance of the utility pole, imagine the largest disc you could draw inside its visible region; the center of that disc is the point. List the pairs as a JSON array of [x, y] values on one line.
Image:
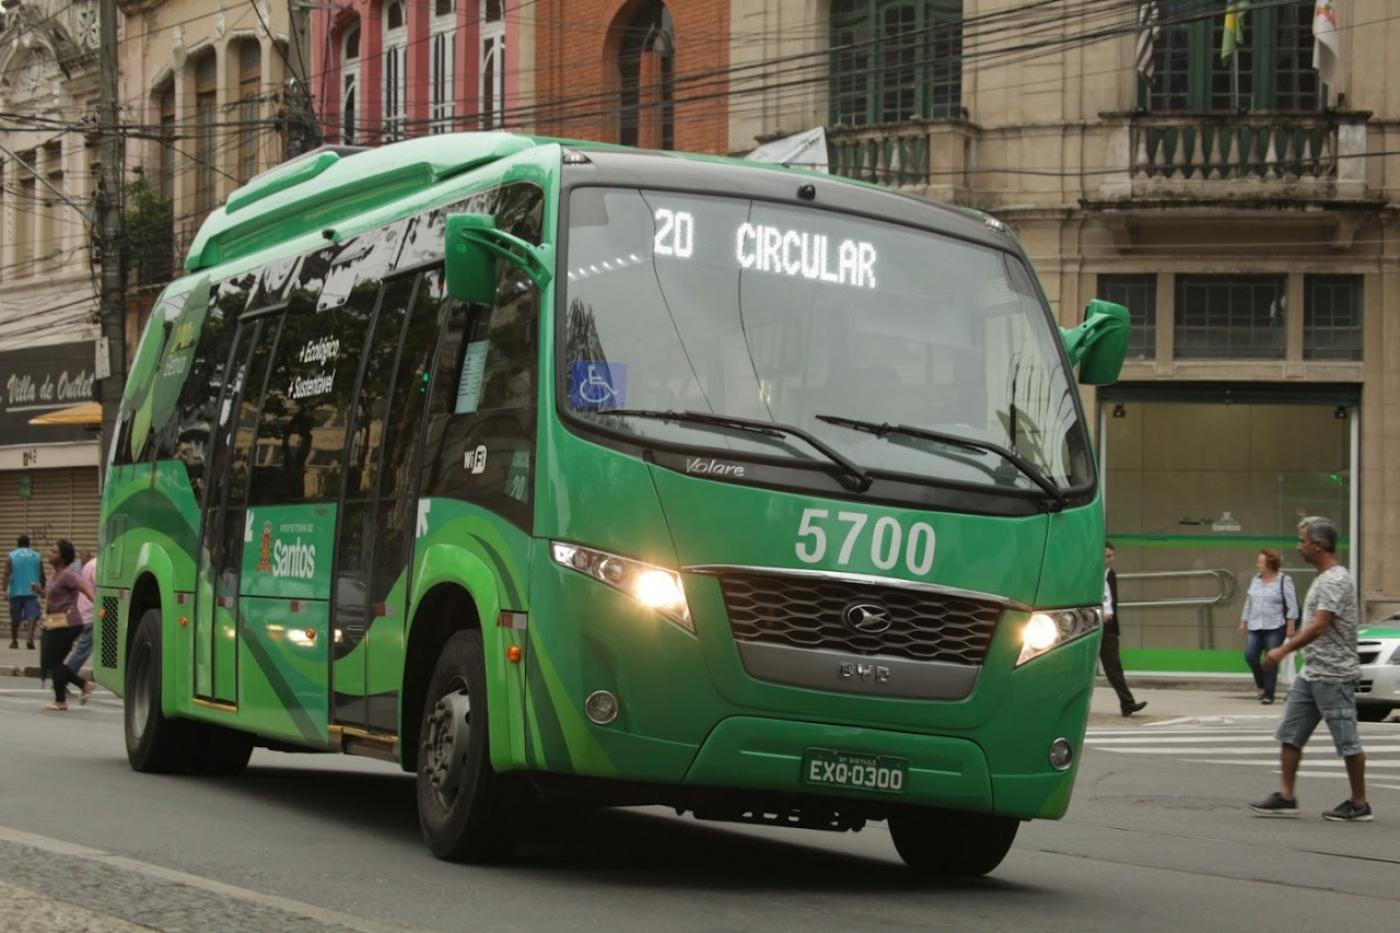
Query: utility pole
[[109, 233]]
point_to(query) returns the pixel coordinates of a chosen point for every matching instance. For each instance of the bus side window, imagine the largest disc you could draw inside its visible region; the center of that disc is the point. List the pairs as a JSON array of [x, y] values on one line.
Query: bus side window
[[189, 433], [301, 432], [482, 428]]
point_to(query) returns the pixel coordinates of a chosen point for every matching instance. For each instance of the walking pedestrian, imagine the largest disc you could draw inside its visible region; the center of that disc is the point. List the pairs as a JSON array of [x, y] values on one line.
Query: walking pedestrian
[[23, 570], [61, 598], [82, 648], [1326, 687], [1108, 648], [1270, 615]]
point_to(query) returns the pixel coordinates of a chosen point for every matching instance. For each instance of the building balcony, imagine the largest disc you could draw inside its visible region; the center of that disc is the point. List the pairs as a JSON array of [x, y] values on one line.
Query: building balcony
[[1265, 159], [929, 158]]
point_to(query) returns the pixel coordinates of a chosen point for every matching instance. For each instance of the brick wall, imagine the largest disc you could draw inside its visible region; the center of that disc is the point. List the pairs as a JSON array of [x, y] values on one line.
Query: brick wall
[[577, 44]]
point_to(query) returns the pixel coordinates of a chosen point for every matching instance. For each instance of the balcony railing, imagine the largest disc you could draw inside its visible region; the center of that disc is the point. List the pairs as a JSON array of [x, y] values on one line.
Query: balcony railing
[[929, 155], [1308, 155]]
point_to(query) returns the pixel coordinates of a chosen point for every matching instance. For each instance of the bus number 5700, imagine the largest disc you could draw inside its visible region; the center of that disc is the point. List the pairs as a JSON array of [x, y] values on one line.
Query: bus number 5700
[[887, 540]]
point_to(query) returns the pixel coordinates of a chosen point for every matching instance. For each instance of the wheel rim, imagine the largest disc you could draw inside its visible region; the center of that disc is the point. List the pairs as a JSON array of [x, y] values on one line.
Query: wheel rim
[[140, 693], [445, 744]]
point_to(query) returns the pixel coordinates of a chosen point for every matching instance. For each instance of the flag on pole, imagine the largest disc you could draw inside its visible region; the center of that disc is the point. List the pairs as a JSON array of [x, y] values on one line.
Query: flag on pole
[[1327, 45], [1148, 30], [1233, 36]]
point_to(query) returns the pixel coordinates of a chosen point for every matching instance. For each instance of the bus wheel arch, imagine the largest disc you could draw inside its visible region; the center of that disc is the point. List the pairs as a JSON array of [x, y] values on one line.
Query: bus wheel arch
[[145, 595], [443, 611]]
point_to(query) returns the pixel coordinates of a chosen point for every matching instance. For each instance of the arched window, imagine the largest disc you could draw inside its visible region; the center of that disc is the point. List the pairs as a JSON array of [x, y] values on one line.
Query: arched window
[[206, 100], [895, 60], [395, 70], [249, 87], [349, 85], [493, 65], [442, 64], [646, 77], [166, 161]]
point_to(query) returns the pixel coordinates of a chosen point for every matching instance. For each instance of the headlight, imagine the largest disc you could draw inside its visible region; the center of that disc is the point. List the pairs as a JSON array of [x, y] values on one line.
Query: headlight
[[1054, 627], [1395, 658], [654, 587]]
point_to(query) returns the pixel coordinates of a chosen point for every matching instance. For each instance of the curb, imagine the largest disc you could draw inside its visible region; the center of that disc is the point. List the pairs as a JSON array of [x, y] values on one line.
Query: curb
[[29, 670], [1158, 681]]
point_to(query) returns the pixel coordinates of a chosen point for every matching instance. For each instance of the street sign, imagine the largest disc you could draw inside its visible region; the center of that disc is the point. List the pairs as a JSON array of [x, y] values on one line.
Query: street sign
[[102, 365]]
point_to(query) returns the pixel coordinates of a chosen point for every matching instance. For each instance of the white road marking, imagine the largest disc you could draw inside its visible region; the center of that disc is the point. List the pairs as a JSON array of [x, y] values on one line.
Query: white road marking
[[1223, 751], [73, 850], [1335, 763], [1183, 739]]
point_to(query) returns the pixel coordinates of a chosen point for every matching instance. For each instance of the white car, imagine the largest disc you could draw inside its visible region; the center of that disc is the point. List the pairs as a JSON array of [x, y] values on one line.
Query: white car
[[1378, 693]]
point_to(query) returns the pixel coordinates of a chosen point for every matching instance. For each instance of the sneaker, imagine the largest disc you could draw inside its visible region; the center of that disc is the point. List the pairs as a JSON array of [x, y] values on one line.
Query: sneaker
[[1348, 812], [88, 687], [14, 646], [1137, 707], [30, 646], [1275, 805]]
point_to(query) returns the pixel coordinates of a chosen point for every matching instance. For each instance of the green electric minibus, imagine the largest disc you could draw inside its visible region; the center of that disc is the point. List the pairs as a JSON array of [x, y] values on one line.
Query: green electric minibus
[[544, 468]]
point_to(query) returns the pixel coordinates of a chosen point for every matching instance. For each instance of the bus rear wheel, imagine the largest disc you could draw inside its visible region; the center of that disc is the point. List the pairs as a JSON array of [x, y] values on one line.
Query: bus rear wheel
[[952, 842], [465, 809], [154, 744]]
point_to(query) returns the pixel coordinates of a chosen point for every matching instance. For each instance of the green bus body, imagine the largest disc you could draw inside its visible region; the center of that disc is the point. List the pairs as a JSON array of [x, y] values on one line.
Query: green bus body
[[314, 508]]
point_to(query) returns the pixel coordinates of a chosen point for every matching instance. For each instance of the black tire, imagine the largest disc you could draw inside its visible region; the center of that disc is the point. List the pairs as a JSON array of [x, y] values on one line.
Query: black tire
[[952, 843], [1370, 713], [216, 750], [467, 811], [154, 744]]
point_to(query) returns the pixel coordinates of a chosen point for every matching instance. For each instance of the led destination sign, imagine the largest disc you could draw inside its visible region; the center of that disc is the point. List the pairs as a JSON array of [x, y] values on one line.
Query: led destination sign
[[776, 250]]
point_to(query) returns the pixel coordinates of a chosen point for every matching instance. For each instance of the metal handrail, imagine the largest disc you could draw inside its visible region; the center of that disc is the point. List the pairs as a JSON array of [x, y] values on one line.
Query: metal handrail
[[1224, 578], [1205, 605]]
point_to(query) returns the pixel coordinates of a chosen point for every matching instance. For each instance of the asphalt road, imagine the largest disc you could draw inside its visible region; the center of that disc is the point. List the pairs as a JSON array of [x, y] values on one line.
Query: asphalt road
[[1157, 838]]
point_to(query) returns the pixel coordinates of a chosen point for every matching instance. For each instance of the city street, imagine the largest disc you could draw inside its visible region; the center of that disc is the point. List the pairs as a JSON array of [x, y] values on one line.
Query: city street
[[1157, 838]]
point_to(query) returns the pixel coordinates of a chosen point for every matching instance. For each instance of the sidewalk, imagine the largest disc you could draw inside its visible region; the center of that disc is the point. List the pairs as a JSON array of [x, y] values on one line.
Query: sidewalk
[[1228, 699], [24, 662]]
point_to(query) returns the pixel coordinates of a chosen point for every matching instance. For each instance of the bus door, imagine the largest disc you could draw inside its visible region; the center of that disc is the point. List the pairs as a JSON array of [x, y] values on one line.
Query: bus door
[[379, 505], [222, 532], [295, 478]]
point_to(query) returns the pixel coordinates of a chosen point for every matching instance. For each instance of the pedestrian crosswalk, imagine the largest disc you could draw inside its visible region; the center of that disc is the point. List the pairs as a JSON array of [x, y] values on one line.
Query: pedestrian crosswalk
[[1248, 742]]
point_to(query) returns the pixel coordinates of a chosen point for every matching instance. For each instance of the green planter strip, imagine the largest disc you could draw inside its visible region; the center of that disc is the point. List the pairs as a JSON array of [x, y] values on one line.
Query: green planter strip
[[1177, 661]]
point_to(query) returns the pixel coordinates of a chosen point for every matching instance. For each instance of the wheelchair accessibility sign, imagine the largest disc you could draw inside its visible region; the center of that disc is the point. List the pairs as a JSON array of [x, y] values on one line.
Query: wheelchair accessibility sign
[[596, 385]]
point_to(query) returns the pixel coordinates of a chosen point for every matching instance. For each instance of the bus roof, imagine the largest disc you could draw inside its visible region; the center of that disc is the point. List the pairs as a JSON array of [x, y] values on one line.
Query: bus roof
[[329, 185]]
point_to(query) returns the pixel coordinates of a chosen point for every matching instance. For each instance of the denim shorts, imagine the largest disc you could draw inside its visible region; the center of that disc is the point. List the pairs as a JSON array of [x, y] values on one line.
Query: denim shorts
[[1310, 702], [24, 608]]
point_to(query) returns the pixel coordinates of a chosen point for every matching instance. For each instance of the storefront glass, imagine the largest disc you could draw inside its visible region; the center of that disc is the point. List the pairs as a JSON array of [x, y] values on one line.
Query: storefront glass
[[1194, 491]]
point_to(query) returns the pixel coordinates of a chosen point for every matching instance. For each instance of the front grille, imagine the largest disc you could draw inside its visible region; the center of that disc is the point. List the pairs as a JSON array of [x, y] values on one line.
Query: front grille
[[108, 632], [1365, 686], [1369, 657], [808, 612]]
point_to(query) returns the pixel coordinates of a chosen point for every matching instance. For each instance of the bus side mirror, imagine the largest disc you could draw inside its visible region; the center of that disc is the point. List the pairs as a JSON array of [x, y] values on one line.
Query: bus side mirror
[[1099, 345], [473, 246], [471, 267]]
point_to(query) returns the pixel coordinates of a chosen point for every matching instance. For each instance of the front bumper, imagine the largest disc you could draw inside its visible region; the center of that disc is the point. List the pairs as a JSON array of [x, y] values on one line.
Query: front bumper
[[944, 771], [1380, 682]]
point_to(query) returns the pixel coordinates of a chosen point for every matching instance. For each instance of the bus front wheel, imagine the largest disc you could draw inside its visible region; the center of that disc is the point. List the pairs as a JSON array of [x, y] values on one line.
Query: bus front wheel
[[465, 809], [952, 842], [154, 744]]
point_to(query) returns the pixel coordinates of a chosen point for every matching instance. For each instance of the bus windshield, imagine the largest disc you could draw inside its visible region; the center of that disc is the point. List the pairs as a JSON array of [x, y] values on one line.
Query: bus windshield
[[840, 326]]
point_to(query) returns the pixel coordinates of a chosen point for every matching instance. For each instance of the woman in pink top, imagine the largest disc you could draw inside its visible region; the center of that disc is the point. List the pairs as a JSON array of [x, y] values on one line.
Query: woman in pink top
[[61, 595]]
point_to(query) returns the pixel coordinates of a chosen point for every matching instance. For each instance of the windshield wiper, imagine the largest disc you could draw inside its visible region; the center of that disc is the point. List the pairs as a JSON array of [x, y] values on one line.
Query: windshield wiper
[[1030, 470], [847, 473]]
